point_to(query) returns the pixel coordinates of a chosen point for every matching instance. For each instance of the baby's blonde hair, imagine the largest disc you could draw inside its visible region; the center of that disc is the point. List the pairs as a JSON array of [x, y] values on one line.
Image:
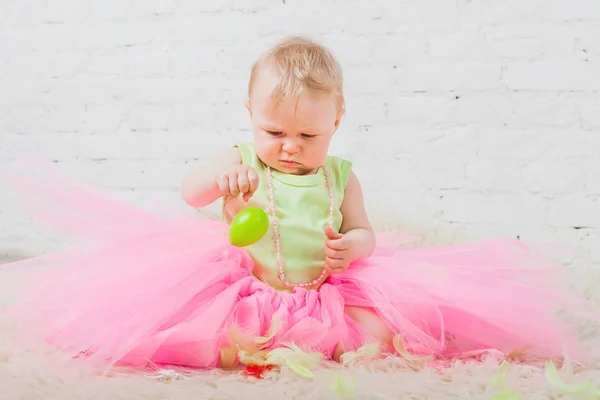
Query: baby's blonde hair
[[301, 64]]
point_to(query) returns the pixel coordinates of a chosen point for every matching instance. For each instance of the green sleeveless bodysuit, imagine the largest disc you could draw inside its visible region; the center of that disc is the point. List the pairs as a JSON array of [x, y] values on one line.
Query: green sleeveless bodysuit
[[302, 203]]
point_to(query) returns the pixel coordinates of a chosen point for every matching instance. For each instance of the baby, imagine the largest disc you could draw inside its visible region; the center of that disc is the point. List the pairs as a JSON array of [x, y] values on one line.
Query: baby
[[320, 225]]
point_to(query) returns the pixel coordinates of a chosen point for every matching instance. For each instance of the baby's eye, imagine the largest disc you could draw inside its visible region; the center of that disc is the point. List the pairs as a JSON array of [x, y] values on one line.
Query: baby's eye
[[274, 133], [308, 136]]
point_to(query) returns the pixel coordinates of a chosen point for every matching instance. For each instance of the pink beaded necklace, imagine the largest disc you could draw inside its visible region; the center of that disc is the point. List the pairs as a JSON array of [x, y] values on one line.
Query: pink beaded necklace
[[276, 235]]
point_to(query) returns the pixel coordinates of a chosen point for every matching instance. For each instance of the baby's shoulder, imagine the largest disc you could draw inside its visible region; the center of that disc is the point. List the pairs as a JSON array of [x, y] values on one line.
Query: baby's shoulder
[[339, 167], [247, 152]]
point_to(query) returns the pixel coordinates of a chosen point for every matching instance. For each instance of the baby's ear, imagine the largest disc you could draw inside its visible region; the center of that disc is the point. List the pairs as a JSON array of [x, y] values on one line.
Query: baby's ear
[[248, 107], [338, 120]]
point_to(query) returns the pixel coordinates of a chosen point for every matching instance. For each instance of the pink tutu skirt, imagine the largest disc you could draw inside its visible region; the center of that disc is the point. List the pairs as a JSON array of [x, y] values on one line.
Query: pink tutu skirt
[[143, 288]]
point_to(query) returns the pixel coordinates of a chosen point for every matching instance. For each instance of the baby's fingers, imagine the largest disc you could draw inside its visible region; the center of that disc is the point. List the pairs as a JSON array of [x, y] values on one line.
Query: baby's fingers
[[335, 266], [234, 190], [243, 183], [253, 180], [333, 254], [223, 183]]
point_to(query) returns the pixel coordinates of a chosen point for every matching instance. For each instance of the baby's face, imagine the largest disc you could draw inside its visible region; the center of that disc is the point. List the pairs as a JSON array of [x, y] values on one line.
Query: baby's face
[[294, 136]]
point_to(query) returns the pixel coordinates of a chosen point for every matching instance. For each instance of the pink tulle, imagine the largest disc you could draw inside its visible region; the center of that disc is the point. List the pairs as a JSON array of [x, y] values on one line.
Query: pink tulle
[[146, 288]]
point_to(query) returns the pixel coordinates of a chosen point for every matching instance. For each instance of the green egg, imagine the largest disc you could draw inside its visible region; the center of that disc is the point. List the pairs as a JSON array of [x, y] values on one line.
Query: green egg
[[248, 227]]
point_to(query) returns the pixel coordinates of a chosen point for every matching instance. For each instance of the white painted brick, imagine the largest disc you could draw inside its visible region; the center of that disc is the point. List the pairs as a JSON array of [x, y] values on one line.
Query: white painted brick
[[365, 23], [229, 86], [590, 111], [193, 6], [124, 174], [110, 9], [590, 242], [154, 7], [456, 76], [456, 46], [30, 119], [25, 64], [190, 115], [541, 234], [527, 41], [197, 143], [159, 90], [65, 118], [422, 110], [194, 59], [49, 146], [122, 33], [232, 116], [109, 173], [575, 10], [574, 210], [587, 44], [507, 13], [550, 177], [553, 76], [531, 41], [123, 143], [451, 109], [381, 80], [436, 173], [409, 15], [78, 91], [362, 47], [527, 144], [213, 27], [500, 174], [400, 49], [242, 5], [505, 208], [148, 60], [364, 111], [481, 109], [3, 124], [592, 176], [28, 11], [238, 58], [66, 10], [568, 144], [40, 37], [407, 206], [148, 116], [542, 109], [102, 118], [113, 61], [63, 65], [535, 176]]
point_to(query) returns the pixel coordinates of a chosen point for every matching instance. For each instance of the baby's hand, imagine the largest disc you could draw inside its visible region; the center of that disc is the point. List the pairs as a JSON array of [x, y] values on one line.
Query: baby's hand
[[240, 179], [337, 252]]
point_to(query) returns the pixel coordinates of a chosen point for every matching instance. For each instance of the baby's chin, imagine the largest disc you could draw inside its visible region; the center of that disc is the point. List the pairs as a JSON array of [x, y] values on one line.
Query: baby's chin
[[299, 169]]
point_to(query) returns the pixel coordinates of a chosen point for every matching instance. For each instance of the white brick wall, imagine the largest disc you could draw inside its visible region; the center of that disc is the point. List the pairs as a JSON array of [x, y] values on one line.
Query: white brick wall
[[465, 118]]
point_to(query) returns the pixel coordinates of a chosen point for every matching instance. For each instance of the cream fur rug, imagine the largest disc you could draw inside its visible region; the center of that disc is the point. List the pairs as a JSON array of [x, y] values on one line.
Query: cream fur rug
[[42, 373]]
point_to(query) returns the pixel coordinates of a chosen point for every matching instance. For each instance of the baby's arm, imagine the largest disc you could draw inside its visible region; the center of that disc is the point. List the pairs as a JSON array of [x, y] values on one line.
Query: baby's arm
[[200, 187], [356, 226]]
